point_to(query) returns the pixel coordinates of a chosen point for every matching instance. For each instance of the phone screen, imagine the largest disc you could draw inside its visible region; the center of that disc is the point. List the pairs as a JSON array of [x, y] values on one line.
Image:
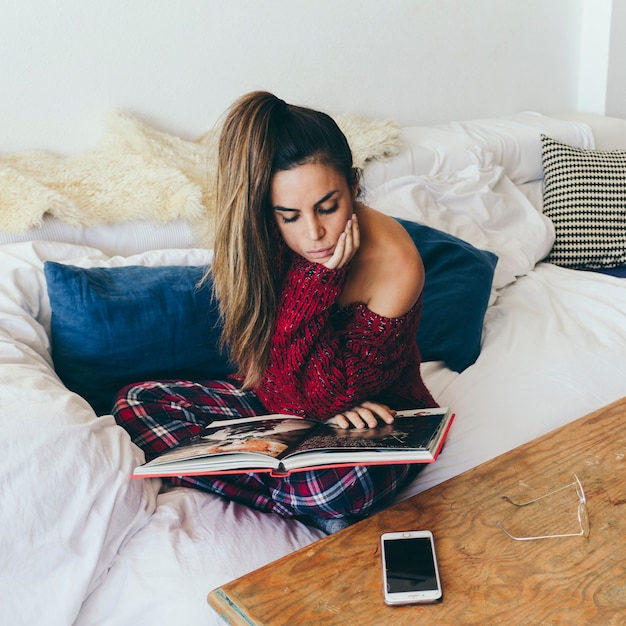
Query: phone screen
[[410, 565]]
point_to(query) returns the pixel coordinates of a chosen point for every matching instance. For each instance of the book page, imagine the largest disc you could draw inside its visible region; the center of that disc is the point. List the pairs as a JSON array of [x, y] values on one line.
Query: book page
[[269, 435], [410, 430]]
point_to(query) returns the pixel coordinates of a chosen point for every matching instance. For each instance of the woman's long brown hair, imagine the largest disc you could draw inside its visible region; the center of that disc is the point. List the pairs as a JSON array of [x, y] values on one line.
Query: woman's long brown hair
[[261, 135]]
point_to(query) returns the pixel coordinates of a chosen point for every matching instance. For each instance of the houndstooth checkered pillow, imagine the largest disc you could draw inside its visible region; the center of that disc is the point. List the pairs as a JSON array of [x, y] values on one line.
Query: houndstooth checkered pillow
[[585, 197]]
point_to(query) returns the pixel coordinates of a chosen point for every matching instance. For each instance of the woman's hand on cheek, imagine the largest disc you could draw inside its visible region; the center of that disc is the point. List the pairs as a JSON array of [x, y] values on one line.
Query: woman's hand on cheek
[[364, 415], [346, 247]]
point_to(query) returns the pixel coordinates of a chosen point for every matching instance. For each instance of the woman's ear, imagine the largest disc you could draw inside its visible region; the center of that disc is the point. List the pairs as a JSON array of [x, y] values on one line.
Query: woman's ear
[[356, 180]]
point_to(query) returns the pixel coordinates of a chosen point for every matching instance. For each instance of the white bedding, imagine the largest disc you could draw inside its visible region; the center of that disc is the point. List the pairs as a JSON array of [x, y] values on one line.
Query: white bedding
[[67, 504], [81, 543], [554, 349], [69, 510]]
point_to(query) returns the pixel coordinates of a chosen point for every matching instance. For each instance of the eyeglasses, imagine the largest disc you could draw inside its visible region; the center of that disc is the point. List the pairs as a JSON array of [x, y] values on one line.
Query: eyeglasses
[[583, 518]]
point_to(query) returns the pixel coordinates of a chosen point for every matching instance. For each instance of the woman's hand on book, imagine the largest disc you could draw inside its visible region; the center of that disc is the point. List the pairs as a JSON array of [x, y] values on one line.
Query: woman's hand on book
[[364, 415]]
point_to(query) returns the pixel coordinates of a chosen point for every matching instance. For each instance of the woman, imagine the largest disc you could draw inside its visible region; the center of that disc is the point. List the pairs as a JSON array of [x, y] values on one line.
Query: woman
[[320, 300]]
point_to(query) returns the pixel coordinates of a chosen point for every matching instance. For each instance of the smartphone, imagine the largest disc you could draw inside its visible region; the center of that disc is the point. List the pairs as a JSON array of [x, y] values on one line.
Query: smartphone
[[410, 572]]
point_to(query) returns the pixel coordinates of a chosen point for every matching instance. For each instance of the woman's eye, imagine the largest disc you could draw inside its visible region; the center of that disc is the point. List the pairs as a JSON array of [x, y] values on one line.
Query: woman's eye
[[329, 210], [289, 220]]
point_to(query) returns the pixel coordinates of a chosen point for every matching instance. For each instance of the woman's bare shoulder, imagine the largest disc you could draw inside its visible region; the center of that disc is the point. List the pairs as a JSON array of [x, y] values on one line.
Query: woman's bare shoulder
[[393, 264]]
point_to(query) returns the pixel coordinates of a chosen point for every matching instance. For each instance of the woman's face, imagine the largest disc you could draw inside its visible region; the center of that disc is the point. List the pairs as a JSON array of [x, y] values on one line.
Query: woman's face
[[312, 204]]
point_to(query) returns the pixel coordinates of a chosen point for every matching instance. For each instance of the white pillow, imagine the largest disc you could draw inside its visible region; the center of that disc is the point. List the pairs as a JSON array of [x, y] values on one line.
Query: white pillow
[[123, 238], [513, 142]]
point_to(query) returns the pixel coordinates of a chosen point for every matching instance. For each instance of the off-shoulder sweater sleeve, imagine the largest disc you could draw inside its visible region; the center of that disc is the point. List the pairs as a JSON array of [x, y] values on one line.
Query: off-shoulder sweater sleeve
[[323, 362]]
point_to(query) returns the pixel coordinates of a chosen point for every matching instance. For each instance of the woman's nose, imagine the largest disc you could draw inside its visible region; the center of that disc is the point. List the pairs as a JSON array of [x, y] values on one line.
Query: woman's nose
[[315, 228]]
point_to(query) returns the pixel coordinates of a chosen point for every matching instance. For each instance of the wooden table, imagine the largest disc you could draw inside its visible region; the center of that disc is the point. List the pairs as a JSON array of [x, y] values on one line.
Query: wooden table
[[487, 578]]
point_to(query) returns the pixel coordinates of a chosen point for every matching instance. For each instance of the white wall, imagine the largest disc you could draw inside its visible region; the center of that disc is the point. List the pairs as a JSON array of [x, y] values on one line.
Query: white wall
[[595, 45], [616, 70], [65, 63]]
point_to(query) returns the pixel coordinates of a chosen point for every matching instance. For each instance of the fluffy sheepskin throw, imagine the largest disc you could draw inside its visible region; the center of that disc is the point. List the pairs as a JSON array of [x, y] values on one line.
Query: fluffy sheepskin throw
[[137, 172]]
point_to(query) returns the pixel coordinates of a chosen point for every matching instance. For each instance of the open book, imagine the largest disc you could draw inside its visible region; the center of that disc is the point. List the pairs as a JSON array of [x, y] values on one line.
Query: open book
[[282, 444]]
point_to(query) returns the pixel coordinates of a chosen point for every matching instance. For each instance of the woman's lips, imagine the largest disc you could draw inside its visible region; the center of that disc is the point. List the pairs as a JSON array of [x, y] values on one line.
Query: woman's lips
[[320, 254]]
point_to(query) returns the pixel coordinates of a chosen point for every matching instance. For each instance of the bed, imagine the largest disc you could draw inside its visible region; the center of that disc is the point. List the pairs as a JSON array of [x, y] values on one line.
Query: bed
[[515, 339]]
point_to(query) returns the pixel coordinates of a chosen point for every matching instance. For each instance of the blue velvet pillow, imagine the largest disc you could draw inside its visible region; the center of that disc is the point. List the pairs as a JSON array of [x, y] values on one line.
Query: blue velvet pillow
[[115, 326], [456, 296], [119, 325]]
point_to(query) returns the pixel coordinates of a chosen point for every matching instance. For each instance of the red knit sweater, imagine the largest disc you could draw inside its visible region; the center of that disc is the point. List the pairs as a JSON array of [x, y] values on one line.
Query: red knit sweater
[[324, 360]]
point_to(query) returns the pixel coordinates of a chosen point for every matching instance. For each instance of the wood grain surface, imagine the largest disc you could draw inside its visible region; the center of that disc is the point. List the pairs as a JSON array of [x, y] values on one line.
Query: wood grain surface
[[487, 577]]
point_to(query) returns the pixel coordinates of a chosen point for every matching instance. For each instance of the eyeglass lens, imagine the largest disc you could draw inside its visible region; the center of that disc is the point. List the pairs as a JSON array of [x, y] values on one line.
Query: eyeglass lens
[[583, 517]]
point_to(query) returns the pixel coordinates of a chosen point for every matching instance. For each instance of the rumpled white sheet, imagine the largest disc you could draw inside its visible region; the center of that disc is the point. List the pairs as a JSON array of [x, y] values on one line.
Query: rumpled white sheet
[[194, 543], [480, 205], [67, 505]]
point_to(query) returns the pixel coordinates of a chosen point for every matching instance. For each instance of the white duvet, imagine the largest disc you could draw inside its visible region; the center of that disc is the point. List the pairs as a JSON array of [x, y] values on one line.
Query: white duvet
[[74, 528], [80, 543]]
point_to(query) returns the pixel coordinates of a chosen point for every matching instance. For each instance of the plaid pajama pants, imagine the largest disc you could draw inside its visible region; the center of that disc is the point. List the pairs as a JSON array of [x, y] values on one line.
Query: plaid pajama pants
[[160, 414]]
